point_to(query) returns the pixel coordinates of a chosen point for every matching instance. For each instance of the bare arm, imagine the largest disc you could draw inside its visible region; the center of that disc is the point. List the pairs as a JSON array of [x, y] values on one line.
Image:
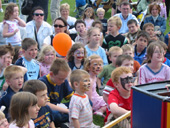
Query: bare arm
[[76, 123], [21, 22], [57, 108], [116, 110], [52, 125], [105, 97], [5, 32]]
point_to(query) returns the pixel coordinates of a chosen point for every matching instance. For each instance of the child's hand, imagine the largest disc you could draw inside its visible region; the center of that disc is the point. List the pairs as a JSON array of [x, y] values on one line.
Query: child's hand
[[16, 30], [5, 86]]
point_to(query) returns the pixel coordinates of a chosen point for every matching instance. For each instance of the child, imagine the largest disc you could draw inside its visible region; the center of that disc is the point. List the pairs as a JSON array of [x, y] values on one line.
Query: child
[[6, 55], [80, 27], [18, 54], [120, 99], [11, 25], [93, 65], [88, 17], [45, 58], [98, 24], [154, 70], [133, 30], [93, 47], [76, 56], [58, 88], [80, 110], [100, 14], [142, 40], [39, 89], [23, 107], [114, 52], [3, 121], [129, 50], [29, 49], [114, 38], [121, 61], [14, 78]]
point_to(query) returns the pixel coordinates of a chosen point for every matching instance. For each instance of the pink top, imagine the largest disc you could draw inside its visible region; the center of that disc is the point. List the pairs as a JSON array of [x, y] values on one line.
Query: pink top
[[45, 69]]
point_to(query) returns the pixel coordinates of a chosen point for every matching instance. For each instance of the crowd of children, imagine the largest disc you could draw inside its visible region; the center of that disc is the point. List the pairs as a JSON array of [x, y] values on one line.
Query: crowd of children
[[40, 89]]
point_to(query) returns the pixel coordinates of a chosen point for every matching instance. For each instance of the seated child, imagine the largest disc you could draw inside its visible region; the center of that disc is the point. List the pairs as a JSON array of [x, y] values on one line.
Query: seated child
[[14, 76], [129, 50], [114, 52], [133, 30], [6, 55], [100, 14], [80, 27], [3, 121], [80, 110], [29, 49], [58, 88], [140, 47], [120, 99], [39, 89], [114, 38]]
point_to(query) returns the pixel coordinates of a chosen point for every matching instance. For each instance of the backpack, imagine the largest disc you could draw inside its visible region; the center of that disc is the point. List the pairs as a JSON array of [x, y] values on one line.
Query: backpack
[[26, 7]]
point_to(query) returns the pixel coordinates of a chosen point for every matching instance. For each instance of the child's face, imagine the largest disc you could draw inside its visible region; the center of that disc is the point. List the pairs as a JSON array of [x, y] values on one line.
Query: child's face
[[88, 13], [150, 30], [84, 85], [33, 111], [100, 15], [98, 26], [95, 36], [132, 28], [42, 97], [16, 12], [49, 57], [4, 123], [112, 27], [16, 81], [96, 66], [114, 56], [157, 55], [142, 42], [31, 52], [79, 54], [126, 81], [6, 60], [129, 64], [128, 52], [59, 78], [81, 29]]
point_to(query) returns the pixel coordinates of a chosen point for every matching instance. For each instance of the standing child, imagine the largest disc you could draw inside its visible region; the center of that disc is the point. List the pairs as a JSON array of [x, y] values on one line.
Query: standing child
[[88, 17], [93, 65], [45, 58], [80, 110], [76, 56], [93, 47], [23, 107], [154, 70], [11, 25]]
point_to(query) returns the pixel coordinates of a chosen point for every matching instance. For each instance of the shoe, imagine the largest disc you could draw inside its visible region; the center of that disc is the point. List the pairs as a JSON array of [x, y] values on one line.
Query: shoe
[[1, 10], [99, 114]]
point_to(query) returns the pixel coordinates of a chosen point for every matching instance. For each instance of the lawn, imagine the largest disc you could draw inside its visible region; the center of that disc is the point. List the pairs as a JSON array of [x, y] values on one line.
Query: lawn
[[97, 119]]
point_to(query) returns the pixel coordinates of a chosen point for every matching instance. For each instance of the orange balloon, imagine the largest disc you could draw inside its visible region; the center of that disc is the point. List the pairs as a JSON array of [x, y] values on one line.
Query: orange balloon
[[62, 43]]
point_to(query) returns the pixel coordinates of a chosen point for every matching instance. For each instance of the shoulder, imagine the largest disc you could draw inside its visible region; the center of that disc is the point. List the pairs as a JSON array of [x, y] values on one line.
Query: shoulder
[[30, 23], [19, 61], [45, 24]]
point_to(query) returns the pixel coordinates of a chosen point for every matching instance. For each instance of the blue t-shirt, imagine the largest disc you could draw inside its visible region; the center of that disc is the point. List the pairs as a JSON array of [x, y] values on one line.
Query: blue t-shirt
[[57, 92]]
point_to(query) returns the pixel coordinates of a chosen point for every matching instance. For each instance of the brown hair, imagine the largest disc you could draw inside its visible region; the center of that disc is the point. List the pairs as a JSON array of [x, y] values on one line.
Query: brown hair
[[147, 25], [19, 106], [152, 5], [9, 10], [4, 49], [122, 58], [98, 22], [27, 43], [92, 11]]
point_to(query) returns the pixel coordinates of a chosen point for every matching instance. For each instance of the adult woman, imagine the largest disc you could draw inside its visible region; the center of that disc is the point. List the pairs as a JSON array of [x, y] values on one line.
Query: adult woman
[[38, 29], [155, 19]]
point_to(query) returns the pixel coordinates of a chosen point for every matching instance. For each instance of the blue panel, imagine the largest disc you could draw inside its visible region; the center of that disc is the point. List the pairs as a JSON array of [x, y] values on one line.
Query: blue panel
[[146, 111]]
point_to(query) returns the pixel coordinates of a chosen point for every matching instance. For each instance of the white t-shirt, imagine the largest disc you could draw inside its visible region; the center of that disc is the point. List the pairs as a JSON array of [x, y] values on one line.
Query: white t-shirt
[[31, 125]]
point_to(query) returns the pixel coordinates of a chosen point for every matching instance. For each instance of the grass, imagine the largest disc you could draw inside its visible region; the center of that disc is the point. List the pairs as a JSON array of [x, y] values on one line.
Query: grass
[[97, 119]]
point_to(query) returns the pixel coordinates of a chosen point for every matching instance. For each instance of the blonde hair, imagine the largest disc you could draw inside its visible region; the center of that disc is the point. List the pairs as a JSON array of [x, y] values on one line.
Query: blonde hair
[[115, 76], [116, 20], [114, 49], [19, 106], [11, 70], [77, 76], [88, 61], [44, 50], [2, 115], [100, 10], [127, 47], [65, 6]]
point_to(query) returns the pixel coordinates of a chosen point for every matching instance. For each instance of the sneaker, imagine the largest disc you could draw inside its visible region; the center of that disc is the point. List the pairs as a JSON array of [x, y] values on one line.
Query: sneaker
[[1, 10]]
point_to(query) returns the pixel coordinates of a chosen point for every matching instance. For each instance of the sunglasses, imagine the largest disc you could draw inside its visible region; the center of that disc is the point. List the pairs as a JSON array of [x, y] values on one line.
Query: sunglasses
[[38, 14], [60, 26]]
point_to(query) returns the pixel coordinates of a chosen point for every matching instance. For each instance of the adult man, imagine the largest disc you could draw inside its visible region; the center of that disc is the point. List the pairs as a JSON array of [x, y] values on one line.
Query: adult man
[[125, 16]]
